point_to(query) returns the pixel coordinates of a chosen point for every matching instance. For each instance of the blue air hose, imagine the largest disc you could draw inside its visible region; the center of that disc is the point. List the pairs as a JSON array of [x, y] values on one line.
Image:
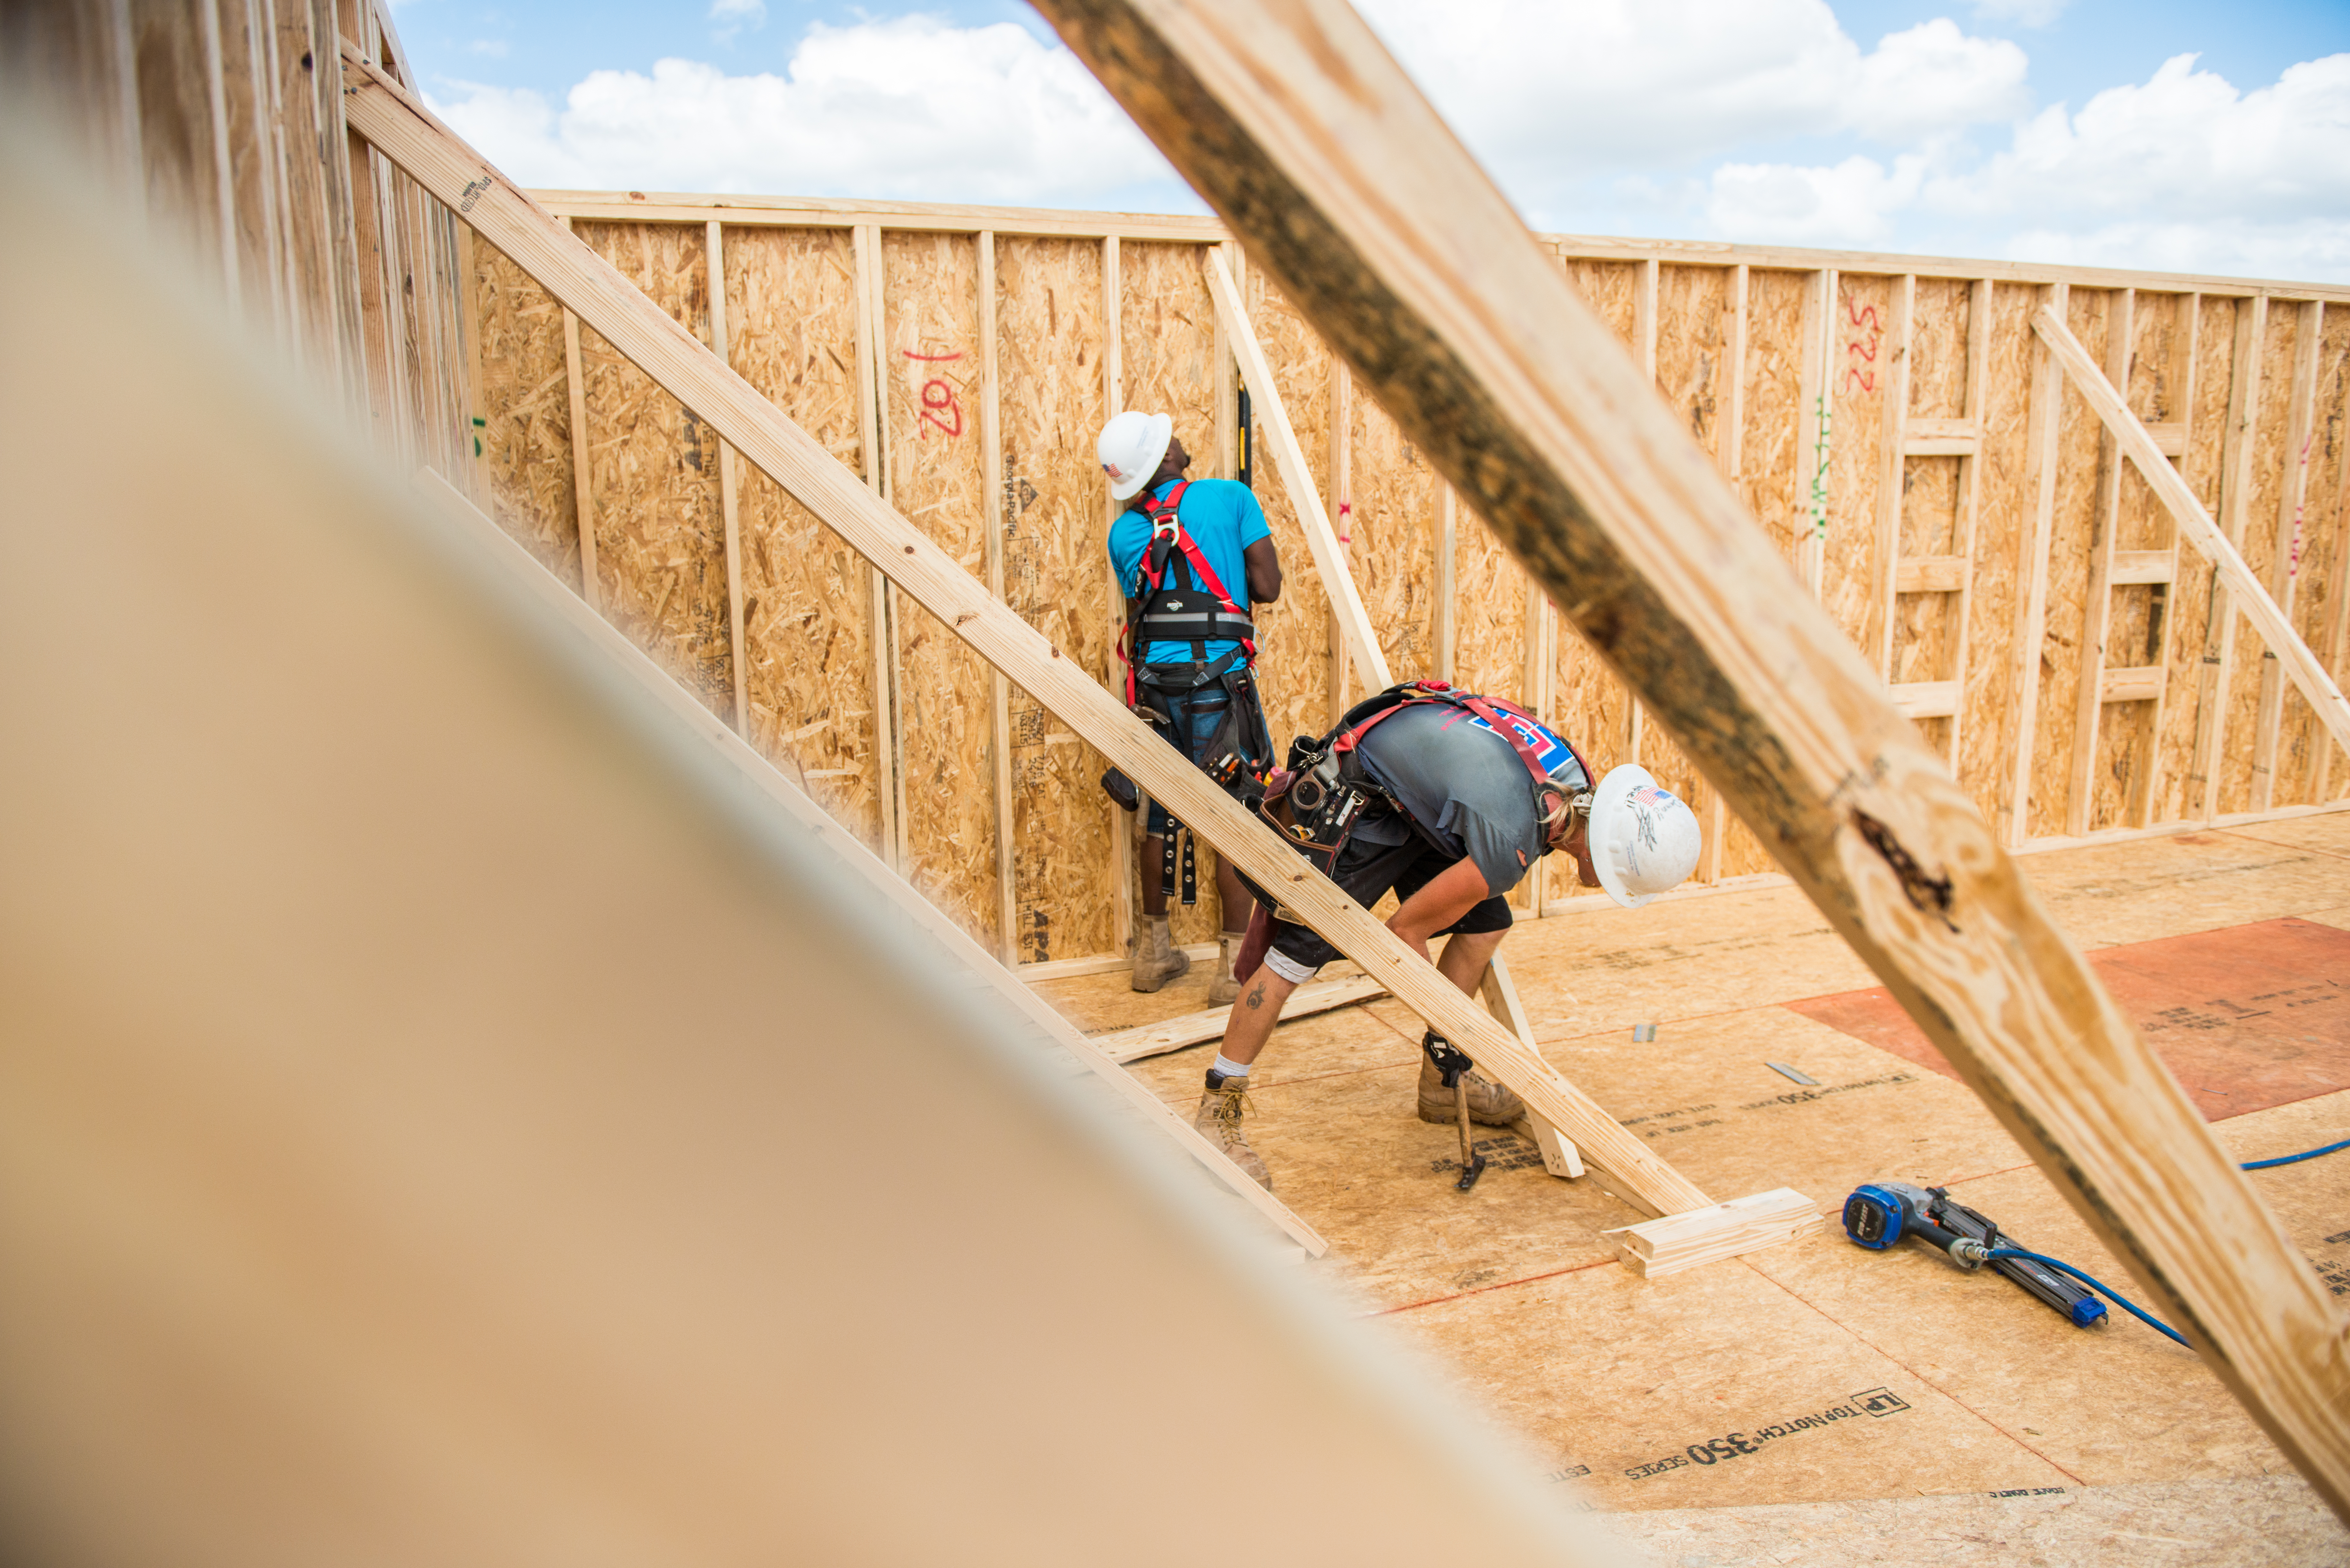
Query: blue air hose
[[2103, 1289], [2296, 1158]]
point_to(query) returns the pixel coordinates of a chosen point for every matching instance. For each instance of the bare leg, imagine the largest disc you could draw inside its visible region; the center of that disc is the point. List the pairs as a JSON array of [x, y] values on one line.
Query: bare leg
[[1467, 956], [1154, 892], [1238, 905], [1254, 1015]]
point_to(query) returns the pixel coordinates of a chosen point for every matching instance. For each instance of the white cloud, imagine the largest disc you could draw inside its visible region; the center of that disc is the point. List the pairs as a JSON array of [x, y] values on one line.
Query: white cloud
[[1552, 91], [734, 15], [1849, 205], [912, 108], [2022, 12], [2181, 173]]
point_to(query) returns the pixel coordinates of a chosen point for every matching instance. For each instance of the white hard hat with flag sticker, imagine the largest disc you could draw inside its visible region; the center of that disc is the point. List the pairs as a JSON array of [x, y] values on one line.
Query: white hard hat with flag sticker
[[1644, 838]]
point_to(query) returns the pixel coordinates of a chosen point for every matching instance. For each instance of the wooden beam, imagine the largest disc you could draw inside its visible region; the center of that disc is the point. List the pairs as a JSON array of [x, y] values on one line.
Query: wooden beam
[[1126, 828], [583, 490], [1926, 699], [2098, 601], [1199, 1028], [1977, 399], [2285, 565], [812, 819], [1892, 469], [727, 489], [999, 689], [864, 254], [2308, 676], [1340, 508], [736, 410], [1448, 584], [2236, 452], [1811, 427], [1931, 575], [2147, 787], [2041, 462], [1356, 199]]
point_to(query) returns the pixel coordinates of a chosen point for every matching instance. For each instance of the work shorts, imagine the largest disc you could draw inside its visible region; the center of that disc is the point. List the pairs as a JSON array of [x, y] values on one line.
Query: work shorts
[[1365, 872], [1200, 744]]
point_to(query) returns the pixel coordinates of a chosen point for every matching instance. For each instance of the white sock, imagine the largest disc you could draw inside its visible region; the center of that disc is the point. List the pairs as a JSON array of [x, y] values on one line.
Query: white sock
[[1231, 1069]]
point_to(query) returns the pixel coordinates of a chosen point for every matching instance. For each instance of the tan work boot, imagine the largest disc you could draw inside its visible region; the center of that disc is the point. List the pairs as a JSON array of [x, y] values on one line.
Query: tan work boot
[[1489, 1101], [1219, 1121], [1157, 960], [1223, 990]]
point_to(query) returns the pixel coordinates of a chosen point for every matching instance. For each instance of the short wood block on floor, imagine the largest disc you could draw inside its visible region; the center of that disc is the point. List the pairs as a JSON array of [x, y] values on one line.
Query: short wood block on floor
[[1678, 1241]]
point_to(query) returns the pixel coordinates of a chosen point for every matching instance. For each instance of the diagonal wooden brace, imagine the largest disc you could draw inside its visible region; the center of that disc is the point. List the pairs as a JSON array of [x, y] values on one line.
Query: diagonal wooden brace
[[401, 128], [2252, 597]]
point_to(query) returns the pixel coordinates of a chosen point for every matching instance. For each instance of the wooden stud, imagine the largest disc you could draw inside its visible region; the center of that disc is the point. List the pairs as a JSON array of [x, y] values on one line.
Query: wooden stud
[[583, 492], [1644, 352], [2097, 602], [2267, 617], [727, 486], [2284, 567], [2040, 464], [1340, 510], [2184, 373], [1892, 469], [1198, 1028], [2236, 451], [1812, 466], [1733, 435], [865, 249], [1977, 392], [1448, 615], [999, 689], [1127, 831]]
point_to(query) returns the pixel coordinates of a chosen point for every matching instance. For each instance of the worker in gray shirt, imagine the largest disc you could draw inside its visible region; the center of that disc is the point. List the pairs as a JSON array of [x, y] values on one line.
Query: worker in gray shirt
[[1467, 793]]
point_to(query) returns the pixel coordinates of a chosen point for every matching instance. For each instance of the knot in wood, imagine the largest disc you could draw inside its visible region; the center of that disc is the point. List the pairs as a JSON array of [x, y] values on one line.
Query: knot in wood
[[1929, 894]]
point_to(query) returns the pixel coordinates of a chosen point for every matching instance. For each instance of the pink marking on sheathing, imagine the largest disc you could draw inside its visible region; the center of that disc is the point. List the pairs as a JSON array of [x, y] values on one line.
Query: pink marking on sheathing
[[2293, 560], [931, 358]]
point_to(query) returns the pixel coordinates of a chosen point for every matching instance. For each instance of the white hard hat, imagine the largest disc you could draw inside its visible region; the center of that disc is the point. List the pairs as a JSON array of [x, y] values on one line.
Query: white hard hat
[[1644, 838], [1130, 448]]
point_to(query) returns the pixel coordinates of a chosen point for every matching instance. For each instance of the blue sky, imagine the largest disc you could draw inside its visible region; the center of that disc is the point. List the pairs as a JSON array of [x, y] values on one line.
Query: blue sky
[[2033, 130]]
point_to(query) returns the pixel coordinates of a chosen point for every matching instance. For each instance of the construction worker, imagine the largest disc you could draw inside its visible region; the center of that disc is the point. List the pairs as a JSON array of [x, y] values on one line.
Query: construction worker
[[1194, 555], [1459, 795]]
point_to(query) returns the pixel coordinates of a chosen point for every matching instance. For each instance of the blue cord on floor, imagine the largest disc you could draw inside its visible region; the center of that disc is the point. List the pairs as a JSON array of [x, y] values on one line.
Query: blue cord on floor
[[2118, 1299], [2295, 1158]]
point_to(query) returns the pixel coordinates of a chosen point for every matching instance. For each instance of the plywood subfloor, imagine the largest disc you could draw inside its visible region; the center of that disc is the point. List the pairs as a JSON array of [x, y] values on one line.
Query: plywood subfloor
[[1827, 1379], [2246, 1018]]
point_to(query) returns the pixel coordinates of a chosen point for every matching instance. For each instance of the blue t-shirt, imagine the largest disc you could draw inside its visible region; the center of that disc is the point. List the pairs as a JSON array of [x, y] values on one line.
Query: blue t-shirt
[[1223, 519]]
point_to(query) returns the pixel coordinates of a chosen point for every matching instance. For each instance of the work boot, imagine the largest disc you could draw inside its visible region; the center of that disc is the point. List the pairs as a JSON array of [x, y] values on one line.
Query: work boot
[[1489, 1101], [1157, 959], [1223, 990], [1219, 1122]]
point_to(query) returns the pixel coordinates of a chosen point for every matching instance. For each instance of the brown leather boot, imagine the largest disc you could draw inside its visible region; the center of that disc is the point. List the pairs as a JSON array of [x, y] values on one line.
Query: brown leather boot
[[1489, 1101], [1157, 959], [1219, 1121], [1223, 990]]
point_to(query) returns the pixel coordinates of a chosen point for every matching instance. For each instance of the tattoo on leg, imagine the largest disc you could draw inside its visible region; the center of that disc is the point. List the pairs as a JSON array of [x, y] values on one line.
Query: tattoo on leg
[[1256, 997]]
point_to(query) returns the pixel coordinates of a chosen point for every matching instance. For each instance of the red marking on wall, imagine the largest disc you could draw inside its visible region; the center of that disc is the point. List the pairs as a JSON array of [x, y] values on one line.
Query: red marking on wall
[[939, 405], [1863, 317]]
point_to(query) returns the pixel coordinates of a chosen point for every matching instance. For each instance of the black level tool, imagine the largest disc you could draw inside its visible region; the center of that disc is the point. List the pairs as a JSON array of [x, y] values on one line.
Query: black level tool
[[1877, 1215]]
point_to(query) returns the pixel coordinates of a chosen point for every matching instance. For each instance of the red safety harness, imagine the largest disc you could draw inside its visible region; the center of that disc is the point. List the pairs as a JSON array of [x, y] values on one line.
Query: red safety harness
[[1160, 614]]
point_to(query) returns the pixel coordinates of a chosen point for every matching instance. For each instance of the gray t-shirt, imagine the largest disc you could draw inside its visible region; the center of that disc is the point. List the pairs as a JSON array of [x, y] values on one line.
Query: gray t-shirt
[[1463, 783]]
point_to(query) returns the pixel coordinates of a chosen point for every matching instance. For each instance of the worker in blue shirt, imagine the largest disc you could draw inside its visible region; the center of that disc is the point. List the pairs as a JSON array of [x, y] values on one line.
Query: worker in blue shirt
[[1192, 557]]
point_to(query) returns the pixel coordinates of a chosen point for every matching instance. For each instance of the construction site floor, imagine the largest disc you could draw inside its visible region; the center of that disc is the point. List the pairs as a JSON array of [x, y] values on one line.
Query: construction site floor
[[1983, 1427]]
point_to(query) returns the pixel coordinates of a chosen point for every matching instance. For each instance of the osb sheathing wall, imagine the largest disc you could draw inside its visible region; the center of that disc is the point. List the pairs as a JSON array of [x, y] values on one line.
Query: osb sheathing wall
[[1925, 536], [221, 122]]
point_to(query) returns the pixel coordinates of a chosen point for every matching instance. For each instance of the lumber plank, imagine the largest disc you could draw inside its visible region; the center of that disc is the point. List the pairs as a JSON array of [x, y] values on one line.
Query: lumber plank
[[2040, 460], [1665, 1246], [814, 819], [728, 490], [2284, 568], [2142, 566], [1355, 198], [999, 690], [1926, 699], [2250, 599], [2088, 704], [1208, 1024], [2238, 449], [399, 127]]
